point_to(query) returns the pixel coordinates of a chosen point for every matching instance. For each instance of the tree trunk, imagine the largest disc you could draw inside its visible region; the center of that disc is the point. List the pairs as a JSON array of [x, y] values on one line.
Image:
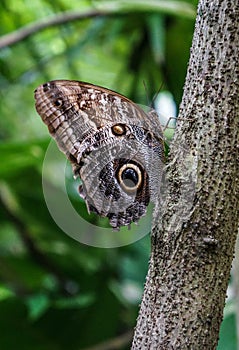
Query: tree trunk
[[197, 221]]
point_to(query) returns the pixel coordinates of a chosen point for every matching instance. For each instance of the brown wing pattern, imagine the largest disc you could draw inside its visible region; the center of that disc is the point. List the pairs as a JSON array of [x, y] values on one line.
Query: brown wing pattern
[[115, 147]]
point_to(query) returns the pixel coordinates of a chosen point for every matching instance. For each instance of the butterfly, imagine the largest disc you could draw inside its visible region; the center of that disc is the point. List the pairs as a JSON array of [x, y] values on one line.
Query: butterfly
[[114, 146]]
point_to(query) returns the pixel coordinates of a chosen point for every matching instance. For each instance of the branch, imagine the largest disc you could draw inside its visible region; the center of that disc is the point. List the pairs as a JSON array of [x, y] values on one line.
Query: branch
[[194, 237], [28, 30], [181, 8], [115, 343]]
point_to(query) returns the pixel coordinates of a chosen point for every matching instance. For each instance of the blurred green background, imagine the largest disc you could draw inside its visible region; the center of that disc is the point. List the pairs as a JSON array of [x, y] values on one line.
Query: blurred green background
[[56, 293]]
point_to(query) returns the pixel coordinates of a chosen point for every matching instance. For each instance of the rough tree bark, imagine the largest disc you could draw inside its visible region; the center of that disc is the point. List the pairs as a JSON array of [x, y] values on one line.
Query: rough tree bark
[[197, 222]]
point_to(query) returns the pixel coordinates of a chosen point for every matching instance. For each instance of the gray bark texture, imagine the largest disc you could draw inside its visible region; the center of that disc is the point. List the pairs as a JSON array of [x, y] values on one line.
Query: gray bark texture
[[197, 217]]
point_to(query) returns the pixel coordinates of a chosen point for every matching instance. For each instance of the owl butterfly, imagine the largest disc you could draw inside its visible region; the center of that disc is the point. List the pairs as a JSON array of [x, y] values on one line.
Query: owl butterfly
[[114, 146]]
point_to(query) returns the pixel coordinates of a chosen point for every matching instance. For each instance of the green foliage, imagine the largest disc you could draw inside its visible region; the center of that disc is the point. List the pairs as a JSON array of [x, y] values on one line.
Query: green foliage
[[56, 293]]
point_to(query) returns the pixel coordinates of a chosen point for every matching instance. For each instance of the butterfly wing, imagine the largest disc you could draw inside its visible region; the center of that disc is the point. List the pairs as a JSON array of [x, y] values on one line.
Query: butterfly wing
[[110, 142]]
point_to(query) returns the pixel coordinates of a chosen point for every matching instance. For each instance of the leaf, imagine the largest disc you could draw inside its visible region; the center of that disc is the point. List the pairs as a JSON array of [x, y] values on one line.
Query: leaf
[[176, 8], [82, 300], [37, 304], [15, 156]]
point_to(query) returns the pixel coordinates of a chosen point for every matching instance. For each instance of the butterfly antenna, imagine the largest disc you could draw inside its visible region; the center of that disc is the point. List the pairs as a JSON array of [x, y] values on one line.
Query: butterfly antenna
[[156, 94], [147, 93]]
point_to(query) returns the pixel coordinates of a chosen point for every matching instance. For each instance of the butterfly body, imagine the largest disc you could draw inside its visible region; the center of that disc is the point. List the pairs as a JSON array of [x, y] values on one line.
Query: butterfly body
[[114, 146]]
